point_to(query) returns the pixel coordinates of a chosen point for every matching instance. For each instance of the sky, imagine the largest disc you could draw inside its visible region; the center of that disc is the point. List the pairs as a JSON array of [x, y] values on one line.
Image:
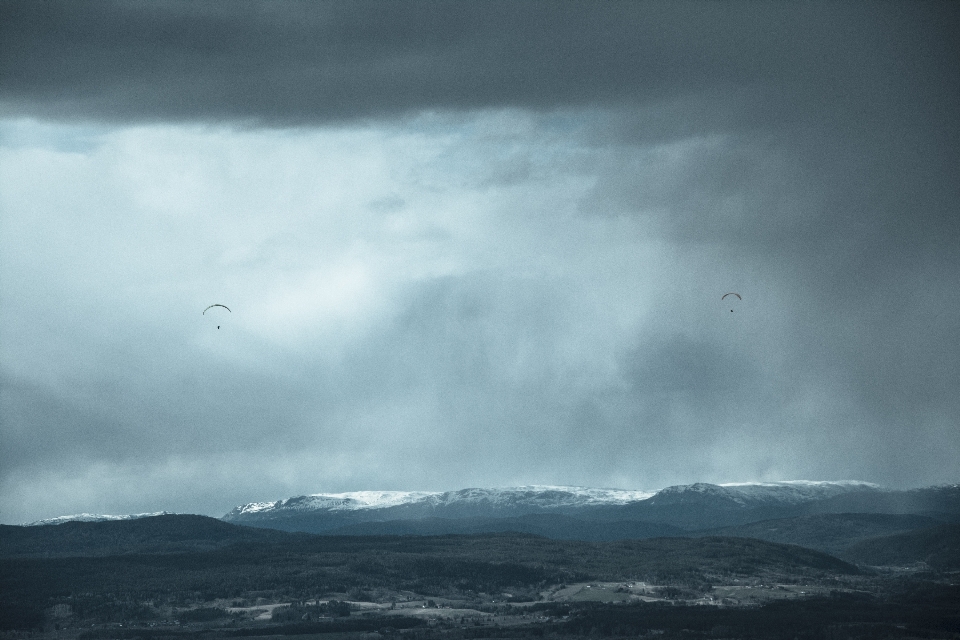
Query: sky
[[473, 244]]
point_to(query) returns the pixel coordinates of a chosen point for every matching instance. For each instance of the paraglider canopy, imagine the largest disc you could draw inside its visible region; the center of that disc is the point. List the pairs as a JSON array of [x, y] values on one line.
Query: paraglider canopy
[[216, 305], [731, 294]]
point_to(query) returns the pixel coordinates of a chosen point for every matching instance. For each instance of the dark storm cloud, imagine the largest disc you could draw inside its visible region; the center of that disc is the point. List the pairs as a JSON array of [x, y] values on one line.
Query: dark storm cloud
[[307, 62]]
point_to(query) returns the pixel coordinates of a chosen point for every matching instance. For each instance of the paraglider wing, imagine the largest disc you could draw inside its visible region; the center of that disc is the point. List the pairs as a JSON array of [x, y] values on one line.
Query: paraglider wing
[[217, 305], [731, 294]]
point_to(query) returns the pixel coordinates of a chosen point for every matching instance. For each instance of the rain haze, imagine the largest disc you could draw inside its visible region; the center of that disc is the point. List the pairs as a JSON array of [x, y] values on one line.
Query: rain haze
[[473, 244]]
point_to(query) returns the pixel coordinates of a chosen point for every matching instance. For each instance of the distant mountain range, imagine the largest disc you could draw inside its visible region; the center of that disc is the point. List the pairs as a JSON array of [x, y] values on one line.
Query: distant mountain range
[[327, 512], [592, 514], [856, 521], [91, 517], [827, 516]]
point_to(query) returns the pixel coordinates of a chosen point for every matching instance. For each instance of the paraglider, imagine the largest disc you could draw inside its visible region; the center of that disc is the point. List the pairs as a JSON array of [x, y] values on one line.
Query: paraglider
[[216, 305], [731, 294], [228, 308]]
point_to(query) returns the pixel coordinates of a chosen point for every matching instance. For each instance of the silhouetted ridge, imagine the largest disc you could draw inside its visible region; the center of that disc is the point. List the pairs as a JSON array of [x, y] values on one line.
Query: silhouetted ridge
[[548, 525], [831, 532], [155, 534], [938, 547]]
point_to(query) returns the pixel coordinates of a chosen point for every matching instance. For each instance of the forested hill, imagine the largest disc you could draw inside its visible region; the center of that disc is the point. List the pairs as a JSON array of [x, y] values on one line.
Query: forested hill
[[831, 533], [937, 547], [157, 534], [183, 534], [548, 525]]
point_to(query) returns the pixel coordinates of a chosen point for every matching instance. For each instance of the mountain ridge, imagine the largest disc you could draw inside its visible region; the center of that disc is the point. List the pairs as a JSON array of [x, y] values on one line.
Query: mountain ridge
[[544, 496], [95, 517], [695, 506], [692, 507]]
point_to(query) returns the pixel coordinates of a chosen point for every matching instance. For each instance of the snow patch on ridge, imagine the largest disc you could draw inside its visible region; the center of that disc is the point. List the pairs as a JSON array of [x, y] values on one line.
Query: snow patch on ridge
[[535, 498], [93, 517], [372, 499], [784, 492], [539, 496], [349, 501], [547, 495], [797, 490], [803, 483]]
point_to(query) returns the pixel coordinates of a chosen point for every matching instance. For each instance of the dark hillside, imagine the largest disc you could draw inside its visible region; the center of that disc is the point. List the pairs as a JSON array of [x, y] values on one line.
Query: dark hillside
[[303, 567], [831, 533], [210, 540], [697, 510], [942, 503], [157, 534], [938, 547], [548, 525]]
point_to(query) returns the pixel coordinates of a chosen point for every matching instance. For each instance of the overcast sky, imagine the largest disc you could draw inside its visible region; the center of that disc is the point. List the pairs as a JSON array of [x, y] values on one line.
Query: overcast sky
[[473, 244]]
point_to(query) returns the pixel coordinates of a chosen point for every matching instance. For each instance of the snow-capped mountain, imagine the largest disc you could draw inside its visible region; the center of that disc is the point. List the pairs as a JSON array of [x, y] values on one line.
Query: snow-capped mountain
[[589, 513], [543, 497], [325, 511], [692, 506], [93, 517], [760, 493], [703, 505], [350, 501], [796, 491], [547, 498], [530, 498]]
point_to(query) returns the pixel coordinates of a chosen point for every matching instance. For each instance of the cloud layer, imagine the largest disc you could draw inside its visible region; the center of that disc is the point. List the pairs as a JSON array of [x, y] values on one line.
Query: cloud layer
[[472, 244]]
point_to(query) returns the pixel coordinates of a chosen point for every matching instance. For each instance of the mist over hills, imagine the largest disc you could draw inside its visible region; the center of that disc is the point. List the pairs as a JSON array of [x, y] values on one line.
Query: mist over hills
[[941, 502]]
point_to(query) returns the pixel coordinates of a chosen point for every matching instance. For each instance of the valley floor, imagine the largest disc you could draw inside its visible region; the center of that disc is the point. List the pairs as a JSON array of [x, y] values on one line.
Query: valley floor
[[897, 603], [195, 578]]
